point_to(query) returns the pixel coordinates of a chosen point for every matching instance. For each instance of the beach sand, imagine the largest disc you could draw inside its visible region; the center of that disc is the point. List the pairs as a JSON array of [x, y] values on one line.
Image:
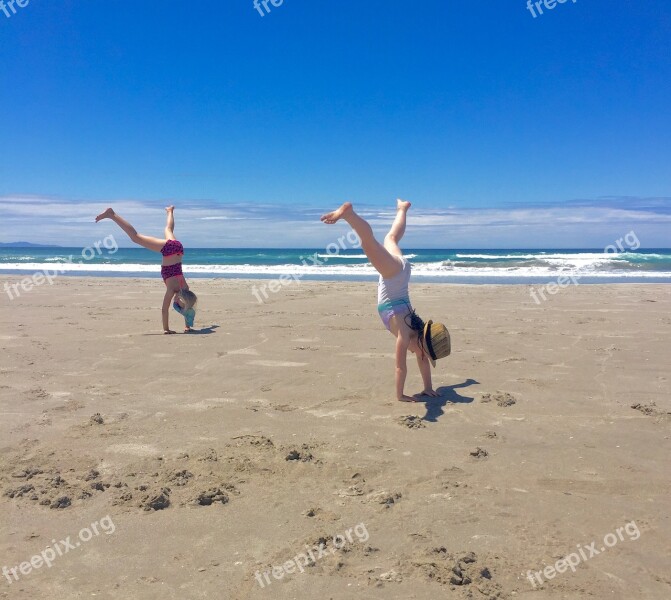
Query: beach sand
[[220, 454]]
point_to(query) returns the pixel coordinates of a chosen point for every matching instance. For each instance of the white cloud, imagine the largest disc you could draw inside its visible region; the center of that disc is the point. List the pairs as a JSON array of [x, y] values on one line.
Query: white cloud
[[210, 224]]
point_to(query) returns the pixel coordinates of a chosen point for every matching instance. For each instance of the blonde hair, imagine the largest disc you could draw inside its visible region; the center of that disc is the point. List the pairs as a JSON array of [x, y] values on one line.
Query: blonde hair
[[189, 298]]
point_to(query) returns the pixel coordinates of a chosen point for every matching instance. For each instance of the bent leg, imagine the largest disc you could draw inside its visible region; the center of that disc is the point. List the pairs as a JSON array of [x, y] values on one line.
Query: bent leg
[[146, 241], [384, 262], [170, 223], [397, 230]]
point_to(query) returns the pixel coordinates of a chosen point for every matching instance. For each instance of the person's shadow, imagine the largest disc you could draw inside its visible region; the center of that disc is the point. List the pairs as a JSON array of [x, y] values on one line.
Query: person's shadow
[[434, 406], [204, 330]]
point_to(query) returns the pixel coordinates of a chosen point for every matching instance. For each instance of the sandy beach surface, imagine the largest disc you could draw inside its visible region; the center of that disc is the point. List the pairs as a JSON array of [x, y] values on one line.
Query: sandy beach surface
[[143, 466]]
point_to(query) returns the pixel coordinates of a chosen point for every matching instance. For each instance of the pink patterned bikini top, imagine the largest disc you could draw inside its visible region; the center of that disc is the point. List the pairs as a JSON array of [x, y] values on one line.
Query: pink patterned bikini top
[[172, 247]]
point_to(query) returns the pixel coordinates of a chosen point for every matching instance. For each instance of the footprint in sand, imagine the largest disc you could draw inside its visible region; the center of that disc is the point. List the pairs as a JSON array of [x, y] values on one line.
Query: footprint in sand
[[650, 410], [479, 453], [411, 422], [503, 399], [386, 499]]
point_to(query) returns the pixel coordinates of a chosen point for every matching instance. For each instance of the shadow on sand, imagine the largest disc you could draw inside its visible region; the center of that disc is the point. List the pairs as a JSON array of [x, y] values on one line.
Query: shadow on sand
[[203, 331], [448, 393]]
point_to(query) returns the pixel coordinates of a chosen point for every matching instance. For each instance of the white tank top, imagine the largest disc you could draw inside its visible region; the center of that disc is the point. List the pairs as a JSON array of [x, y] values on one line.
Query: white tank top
[[395, 288]]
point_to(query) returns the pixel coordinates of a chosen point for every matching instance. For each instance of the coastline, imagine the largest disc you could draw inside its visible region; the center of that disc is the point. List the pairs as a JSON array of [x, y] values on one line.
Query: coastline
[[19, 274]]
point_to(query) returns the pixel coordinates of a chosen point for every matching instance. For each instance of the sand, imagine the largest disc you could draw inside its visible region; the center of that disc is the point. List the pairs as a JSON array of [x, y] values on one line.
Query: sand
[[218, 455]]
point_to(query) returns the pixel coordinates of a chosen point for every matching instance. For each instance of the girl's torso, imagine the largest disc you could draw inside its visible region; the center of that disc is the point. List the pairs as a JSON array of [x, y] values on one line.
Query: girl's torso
[[395, 289]]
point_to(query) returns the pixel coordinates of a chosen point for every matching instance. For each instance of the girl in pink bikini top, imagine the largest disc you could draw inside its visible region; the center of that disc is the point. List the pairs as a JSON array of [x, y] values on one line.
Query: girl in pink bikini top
[[172, 247], [177, 289]]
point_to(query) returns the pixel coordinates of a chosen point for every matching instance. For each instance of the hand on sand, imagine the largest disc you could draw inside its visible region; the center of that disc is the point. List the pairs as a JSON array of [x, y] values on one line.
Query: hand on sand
[[105, 215], [405, 398], [168, 331], [336, 215]]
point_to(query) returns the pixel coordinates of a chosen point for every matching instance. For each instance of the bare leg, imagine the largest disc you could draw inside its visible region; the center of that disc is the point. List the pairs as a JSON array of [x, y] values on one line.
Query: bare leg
[[146, 241], [397, 230], [165, 309], [384, 262], [170, 224]]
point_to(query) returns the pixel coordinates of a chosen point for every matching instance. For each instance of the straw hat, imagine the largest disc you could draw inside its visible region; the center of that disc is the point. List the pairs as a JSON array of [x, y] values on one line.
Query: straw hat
[[436, 341]]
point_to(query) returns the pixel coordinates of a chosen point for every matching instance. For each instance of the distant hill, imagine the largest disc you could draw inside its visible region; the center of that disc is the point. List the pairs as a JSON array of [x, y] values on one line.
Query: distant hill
[[23, 245]]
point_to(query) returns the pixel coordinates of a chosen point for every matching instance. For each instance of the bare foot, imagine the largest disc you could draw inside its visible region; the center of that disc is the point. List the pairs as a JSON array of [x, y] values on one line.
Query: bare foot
[[108, 214], [169, 208], [336, 215], [402, 204], [405, 398]]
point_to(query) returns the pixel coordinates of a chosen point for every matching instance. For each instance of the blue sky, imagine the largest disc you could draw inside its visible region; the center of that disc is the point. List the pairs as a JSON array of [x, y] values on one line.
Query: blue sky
[[504, 130]]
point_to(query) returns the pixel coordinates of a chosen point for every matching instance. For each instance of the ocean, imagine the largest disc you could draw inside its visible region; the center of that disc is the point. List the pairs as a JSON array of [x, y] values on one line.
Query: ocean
[[440, 266]]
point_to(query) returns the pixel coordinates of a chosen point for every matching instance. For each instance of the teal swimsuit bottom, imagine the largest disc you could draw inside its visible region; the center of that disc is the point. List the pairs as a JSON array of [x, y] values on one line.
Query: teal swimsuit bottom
[[394, 307]]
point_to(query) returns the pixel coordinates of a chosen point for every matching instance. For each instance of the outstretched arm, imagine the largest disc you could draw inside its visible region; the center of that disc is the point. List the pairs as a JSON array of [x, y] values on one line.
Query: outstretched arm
[[425, 369]]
